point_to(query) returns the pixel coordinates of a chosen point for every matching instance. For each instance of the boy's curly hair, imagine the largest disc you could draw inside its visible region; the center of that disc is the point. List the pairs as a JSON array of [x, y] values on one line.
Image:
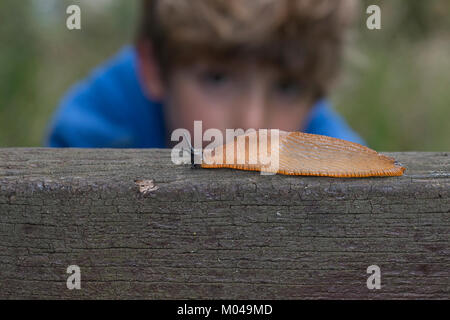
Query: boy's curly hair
[[304, 37]]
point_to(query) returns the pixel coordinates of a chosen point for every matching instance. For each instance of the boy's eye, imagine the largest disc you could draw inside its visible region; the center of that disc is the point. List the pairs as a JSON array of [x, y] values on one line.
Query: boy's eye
[[215, 77], [288, 87]]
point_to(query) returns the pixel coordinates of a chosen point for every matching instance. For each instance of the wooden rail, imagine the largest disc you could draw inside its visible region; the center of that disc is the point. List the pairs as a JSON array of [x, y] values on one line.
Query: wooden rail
[[217, 233]]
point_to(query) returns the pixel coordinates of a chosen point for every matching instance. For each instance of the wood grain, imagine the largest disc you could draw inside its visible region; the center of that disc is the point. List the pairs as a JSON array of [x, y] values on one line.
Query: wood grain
[[217, 233]]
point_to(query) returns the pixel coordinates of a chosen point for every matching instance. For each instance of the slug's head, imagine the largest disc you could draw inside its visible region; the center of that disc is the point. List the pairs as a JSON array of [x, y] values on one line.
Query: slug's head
[[195, 154]]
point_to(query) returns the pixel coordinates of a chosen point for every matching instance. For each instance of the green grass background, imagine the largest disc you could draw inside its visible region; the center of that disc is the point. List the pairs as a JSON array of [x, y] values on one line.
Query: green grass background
[[394, 88]]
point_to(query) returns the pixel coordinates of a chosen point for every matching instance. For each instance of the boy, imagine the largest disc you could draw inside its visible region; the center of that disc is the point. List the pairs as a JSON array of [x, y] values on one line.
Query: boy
[[230, 63]]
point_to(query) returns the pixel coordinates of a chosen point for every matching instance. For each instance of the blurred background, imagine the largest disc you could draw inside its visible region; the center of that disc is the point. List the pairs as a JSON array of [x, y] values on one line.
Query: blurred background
[[394, 89]]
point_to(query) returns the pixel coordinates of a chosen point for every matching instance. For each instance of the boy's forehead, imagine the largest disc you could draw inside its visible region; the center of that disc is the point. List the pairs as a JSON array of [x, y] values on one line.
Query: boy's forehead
[[243, 63], [276, 59]]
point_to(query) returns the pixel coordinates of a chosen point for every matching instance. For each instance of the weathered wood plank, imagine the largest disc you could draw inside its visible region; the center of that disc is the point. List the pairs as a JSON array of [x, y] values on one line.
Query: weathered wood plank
[[217, 233]]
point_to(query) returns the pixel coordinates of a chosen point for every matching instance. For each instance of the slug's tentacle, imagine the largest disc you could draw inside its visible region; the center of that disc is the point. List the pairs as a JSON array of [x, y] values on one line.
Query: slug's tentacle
[[299, 153], [192, 152]]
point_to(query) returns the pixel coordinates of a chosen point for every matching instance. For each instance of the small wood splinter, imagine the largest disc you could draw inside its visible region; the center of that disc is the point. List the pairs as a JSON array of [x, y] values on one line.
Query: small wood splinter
[[146, 186], [302, 154]]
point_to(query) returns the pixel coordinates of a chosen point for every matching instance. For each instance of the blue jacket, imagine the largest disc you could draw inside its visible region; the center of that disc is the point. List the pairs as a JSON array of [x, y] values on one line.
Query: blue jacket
[[109, 109]]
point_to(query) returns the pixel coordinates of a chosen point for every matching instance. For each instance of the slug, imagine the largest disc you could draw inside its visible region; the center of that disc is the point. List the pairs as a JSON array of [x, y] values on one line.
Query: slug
[[301, 154]]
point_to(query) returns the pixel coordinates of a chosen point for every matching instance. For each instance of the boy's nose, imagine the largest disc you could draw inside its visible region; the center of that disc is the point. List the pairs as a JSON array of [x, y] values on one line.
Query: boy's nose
[[254, 109]]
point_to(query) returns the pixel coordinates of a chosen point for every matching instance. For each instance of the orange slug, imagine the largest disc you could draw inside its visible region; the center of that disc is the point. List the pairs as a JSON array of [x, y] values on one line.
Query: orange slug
[[301, 154]]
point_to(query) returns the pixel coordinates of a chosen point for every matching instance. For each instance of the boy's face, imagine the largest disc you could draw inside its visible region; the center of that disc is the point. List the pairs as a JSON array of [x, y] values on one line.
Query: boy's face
[[232, 95]]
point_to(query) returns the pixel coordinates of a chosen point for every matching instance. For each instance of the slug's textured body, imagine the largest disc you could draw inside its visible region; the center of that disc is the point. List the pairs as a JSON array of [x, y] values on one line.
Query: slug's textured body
[[304, 154]]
